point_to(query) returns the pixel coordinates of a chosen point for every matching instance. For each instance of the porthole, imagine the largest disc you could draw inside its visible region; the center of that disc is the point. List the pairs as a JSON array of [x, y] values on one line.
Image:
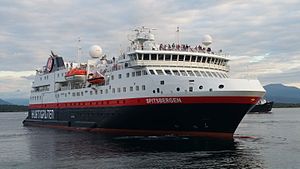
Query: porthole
[[221, 86], [200, 87], [153, 91], [178, 89]]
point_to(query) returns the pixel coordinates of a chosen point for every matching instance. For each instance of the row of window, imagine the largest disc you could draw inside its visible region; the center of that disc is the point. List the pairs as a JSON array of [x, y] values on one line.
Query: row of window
[[58, 74], [113, 90], [188, 73], [133, 74], [174, 57]]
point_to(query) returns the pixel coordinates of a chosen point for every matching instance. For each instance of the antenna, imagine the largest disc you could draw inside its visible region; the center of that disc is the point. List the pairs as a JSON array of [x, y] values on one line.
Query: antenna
[[177, 35], [78, 49]]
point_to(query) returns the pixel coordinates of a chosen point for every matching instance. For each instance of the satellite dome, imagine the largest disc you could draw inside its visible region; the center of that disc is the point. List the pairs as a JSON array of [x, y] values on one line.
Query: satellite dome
[[95, 51], [207, 40]]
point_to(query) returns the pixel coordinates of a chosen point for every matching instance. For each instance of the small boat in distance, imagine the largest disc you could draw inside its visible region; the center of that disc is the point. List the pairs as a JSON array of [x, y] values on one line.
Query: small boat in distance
[[262, 106]]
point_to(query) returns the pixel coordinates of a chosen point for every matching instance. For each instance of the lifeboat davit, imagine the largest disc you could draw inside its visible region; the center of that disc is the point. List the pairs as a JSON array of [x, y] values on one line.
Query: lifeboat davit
[[96, 78], [76, 75]]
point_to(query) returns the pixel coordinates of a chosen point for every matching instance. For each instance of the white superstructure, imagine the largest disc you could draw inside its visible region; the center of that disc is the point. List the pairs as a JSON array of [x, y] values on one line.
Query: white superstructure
[[147, 69]]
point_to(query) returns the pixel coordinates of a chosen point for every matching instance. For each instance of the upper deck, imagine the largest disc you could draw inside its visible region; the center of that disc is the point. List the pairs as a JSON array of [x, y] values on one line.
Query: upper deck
[[144, 52], [188, 59]]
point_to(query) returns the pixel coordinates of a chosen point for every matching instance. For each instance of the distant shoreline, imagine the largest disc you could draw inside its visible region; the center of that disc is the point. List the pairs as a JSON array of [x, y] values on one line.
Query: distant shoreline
[[286, 105], [13, 108]]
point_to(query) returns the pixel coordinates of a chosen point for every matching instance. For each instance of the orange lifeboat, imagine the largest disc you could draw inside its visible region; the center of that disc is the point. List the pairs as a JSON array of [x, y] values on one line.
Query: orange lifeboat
[[76, 75], [96, 78]]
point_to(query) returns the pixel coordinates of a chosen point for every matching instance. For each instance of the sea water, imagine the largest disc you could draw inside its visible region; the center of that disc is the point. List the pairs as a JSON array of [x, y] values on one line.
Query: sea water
[[261, 141]]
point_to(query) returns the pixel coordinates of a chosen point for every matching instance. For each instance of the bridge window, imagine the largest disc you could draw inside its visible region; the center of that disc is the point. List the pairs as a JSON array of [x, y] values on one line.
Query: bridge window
[[183, 73], [197, 73], [212, 60], [209, 74], [208, 60], [160, 57], [203, 59], [174, 57], [153, 56], [176, 73], [145, 72], [138, 73], [168, 72], [190, 73], [187, 58], [140, 56], [134, 56], [151, 72], [159, 72], [181, 57], [193, 59], [168, 57], [198, 58], [146, 56], [214, 74], [203, 73], [219, 74]]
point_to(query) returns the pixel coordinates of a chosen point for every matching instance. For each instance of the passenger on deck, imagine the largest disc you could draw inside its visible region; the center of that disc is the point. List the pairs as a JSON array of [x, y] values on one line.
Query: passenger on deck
[[160, 46], [208, 50], [177, 47]]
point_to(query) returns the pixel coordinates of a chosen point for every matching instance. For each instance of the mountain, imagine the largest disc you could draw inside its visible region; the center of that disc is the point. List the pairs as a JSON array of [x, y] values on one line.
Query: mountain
[[2, 102], [280, 93], [18, 101]]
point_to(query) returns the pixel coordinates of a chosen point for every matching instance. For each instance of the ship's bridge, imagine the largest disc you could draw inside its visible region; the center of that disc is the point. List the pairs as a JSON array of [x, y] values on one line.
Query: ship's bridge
[[165, 58]]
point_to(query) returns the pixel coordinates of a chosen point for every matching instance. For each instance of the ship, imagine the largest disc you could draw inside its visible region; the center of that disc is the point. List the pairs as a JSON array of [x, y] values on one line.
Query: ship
[[150, 89], [262, 106]]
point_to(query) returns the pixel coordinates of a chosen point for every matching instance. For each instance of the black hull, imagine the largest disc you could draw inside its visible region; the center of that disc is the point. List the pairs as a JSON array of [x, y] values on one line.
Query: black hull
[[262, 108], [216, 120]]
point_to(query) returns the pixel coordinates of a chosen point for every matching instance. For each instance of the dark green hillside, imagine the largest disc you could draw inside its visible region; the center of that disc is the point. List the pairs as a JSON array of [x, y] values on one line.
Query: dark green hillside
[[13, 108]]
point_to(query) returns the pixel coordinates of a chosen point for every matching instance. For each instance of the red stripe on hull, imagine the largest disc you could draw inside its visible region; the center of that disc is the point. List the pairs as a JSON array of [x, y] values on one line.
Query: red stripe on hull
[[131, 132], [149, 101]]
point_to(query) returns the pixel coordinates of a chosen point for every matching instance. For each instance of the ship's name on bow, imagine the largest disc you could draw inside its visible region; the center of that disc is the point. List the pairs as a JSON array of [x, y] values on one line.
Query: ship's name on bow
[[163, 100], [42, 114]]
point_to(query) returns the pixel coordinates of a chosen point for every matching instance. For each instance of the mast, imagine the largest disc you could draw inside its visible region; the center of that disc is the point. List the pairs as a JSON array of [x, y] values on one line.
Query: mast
[[177, 35], [78, 49]]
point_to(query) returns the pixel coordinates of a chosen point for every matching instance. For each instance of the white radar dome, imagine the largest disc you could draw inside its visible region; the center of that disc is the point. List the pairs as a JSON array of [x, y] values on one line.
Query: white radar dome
[[207, 40], [95, 51]]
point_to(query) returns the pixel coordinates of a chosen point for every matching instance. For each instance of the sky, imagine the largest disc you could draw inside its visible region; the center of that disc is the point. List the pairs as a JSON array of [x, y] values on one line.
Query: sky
[[261, 36]]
